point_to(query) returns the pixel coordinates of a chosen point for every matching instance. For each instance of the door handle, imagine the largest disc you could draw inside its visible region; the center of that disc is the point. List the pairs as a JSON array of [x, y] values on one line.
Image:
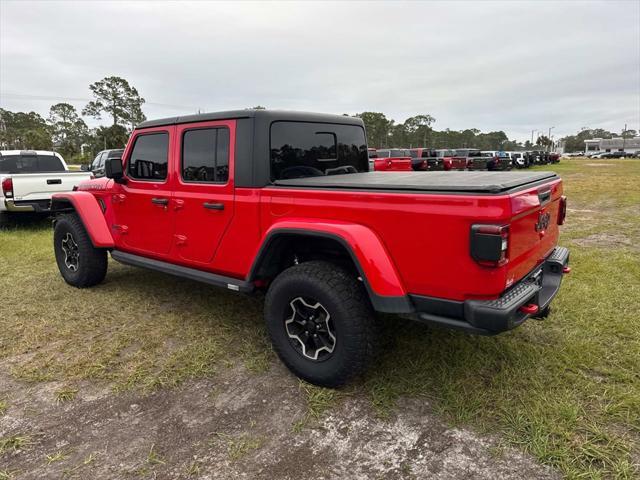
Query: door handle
[[160, 201], [213, 206], [54, 181]]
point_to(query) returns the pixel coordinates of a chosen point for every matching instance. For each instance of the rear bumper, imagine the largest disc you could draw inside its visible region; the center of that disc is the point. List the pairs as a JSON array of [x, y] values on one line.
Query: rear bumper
[[489, 317], [27, 206]]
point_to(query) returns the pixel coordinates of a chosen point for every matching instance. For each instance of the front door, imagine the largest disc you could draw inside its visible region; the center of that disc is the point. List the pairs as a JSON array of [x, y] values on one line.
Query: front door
[[204, 190], [143, 215]]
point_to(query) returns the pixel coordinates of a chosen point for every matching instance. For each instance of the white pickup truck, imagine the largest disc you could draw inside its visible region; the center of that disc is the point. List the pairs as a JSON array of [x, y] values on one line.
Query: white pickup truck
[[28, 178]]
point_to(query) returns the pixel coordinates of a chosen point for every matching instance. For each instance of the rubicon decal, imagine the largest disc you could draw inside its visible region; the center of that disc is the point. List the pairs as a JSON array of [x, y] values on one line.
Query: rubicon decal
[[544, 218]]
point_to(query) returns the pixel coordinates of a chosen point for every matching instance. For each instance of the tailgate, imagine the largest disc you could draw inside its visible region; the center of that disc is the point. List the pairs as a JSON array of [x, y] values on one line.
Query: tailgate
[[534, 229], [40, 186]]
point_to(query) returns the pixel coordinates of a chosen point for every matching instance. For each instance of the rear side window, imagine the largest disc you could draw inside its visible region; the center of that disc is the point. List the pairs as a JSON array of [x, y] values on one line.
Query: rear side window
[[49, 163], [205, 155], [148, 159], [30, 164], [306, 149]]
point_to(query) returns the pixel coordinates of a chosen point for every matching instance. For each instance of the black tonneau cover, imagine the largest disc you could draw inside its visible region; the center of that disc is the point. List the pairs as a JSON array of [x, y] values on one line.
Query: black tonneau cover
[[457, 182]]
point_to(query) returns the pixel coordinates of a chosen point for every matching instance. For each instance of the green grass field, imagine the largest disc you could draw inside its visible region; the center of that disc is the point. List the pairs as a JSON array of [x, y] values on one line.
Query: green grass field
[[566, 390]]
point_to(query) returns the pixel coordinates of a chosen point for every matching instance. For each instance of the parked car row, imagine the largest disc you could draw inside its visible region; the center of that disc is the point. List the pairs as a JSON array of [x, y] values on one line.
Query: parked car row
[[428, 159]]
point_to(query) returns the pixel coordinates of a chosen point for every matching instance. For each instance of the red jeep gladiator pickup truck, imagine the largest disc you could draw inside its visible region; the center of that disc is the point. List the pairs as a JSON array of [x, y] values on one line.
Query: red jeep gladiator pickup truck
[[392, 160], [283, 203]]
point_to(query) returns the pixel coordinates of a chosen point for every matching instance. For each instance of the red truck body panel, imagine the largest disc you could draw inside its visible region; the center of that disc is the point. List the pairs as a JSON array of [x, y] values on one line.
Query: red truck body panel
[[395, 164], [91, 214]]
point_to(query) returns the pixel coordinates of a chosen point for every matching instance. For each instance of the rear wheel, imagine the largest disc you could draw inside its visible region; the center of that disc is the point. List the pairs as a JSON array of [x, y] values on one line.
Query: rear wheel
[[80, 263], [321, 323]]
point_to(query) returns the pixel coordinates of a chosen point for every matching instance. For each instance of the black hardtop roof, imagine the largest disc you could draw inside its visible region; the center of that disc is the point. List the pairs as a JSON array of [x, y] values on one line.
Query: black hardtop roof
[[269, 115]]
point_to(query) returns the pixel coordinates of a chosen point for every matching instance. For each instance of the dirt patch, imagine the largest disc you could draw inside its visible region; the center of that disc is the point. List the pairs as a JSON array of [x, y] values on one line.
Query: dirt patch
[[237, 425], [604, 240], [600, 164]]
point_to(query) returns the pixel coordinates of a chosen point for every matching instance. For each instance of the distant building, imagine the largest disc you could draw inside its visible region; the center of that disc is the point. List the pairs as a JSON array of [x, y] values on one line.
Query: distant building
[[629, 145]]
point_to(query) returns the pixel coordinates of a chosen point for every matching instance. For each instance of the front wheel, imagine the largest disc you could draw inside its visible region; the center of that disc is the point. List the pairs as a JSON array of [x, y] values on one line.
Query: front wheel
[[321, 323], [80, 263]]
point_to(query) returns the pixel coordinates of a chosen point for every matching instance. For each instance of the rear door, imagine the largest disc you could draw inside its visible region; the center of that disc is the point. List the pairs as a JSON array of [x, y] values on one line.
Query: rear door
[[143, 217], [204, 189]]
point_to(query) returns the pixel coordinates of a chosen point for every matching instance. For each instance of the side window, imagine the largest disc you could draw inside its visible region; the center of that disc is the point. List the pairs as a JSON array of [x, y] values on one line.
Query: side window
[[305, 149], [94, 162], [205, 155], [50, 163], [148, 159]]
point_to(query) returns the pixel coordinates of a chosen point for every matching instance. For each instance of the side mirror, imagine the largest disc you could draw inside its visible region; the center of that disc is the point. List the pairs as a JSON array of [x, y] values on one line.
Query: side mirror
[[84, 167], [113, 169]]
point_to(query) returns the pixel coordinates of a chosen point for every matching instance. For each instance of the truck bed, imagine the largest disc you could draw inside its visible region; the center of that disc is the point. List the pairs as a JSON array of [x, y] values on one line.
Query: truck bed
[[455, 182]]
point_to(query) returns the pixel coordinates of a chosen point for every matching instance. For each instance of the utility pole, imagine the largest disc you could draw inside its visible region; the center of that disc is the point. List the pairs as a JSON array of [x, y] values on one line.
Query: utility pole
[[624, 136], [532, 136], [549, 137]]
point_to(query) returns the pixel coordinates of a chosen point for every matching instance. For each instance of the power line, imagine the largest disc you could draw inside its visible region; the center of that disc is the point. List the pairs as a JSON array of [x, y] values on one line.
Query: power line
[[79, 99]]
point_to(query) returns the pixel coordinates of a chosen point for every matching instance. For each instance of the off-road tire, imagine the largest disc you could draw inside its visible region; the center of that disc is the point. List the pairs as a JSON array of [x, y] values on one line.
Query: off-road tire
[[91, 262], [346, 301]]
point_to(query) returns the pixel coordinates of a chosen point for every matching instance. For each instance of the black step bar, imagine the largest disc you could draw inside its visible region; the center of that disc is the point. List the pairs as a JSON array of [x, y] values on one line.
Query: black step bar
[[229, 283]]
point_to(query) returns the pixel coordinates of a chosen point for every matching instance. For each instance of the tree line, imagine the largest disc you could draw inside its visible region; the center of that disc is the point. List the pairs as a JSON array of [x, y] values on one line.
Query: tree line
[[64, 129], [417, 131], [575, 143]]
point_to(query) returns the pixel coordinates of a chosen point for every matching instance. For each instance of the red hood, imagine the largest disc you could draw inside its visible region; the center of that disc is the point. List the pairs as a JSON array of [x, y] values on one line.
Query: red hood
[[102, 183]]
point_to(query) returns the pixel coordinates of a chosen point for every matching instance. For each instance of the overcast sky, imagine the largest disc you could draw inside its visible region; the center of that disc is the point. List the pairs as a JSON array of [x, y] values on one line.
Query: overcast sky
[[512, 66]]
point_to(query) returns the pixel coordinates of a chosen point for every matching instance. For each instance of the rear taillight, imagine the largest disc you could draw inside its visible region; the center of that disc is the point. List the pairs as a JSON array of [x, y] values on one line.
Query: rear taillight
[[562, 210], [490, 244], [7, 187]]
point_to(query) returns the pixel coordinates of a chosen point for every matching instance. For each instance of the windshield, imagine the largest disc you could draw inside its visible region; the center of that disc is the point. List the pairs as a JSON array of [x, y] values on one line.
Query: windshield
[[30, 164]]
